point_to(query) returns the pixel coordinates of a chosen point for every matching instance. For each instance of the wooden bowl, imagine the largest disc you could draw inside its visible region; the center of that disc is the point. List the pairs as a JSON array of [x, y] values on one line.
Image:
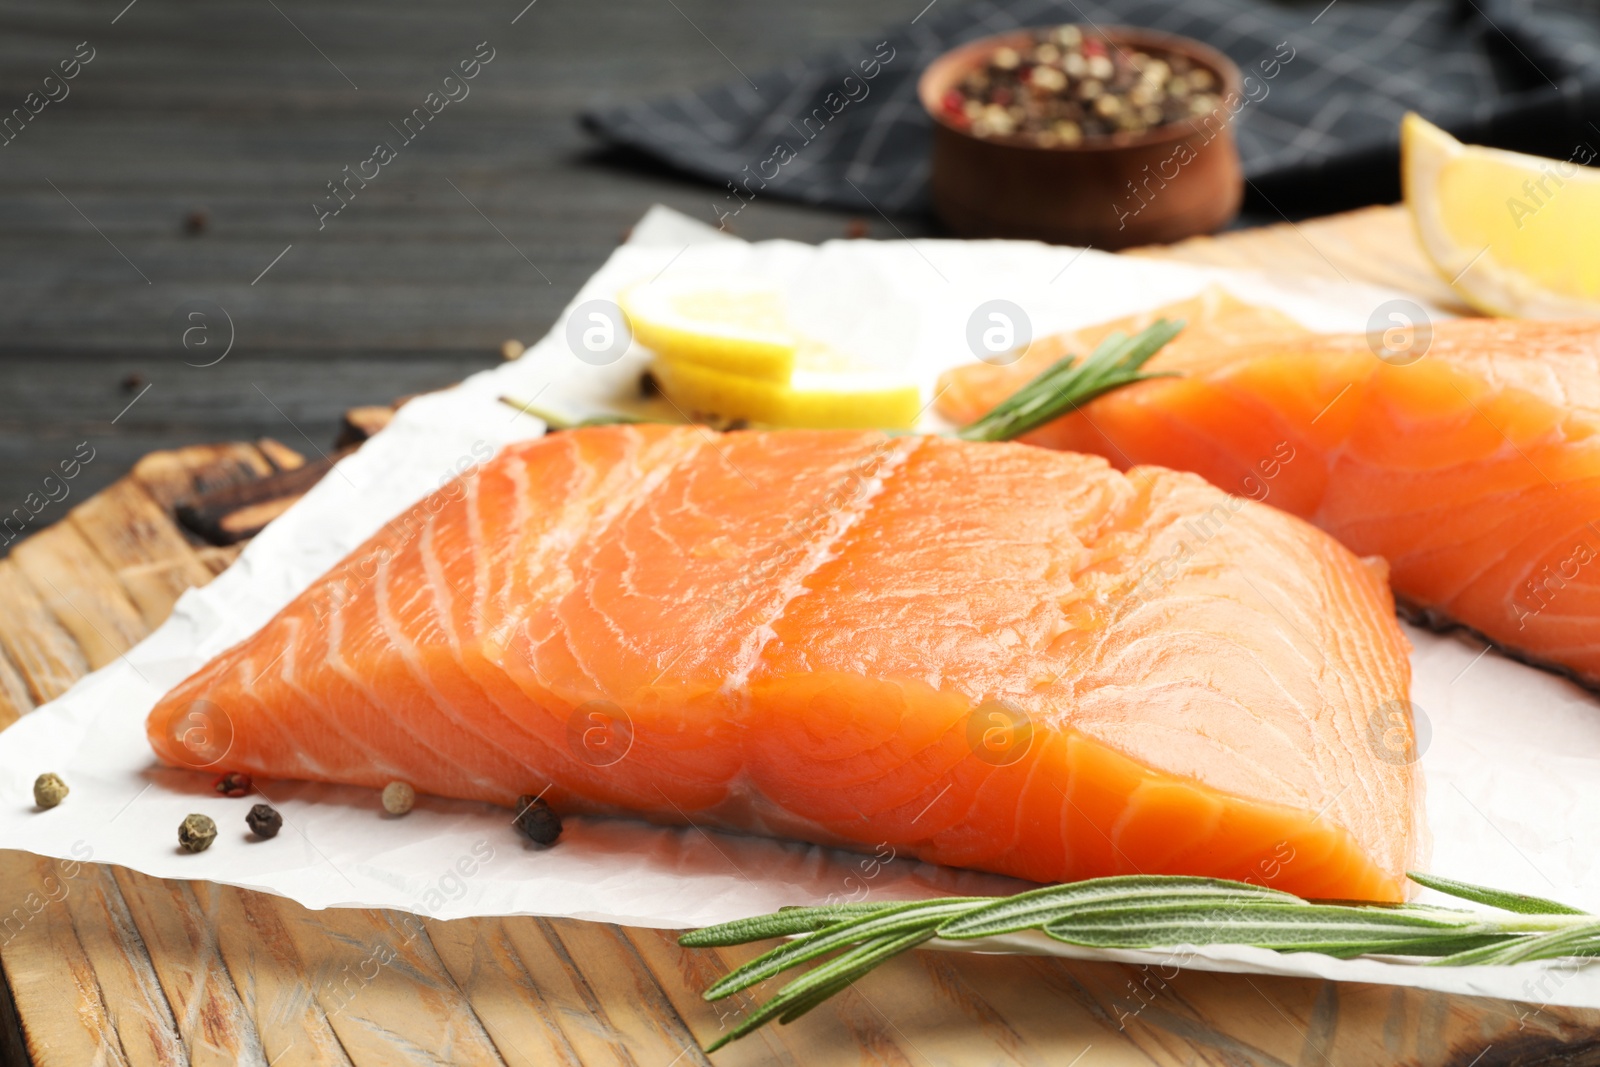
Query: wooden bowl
[[1164, 184]]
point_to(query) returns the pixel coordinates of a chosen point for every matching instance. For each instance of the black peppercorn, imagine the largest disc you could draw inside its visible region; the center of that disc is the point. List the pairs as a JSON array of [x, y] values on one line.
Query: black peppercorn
[[233, 784], [536, 819], [264, 821]]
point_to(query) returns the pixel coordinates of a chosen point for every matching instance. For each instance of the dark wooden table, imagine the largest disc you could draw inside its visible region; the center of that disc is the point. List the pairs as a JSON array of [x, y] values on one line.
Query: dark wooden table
[[480, 231]]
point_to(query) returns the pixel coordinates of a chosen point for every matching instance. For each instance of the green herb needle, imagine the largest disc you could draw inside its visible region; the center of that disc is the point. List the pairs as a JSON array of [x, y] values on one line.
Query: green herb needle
[[1140, 912]]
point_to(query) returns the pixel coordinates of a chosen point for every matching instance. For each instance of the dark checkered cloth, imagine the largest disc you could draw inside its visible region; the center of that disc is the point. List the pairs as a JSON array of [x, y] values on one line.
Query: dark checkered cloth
[[1319, 133]]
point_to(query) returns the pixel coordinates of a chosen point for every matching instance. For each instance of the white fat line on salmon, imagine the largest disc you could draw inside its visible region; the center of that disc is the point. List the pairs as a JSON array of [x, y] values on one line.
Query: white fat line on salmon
[[498, 636], [411, 655], [341, 584], [710, 440], [480, 559], [802, 531], [338, 720], [758, 575], [821, 551], [1097, 828], [332, 620], [1276, 864], [617, 505]]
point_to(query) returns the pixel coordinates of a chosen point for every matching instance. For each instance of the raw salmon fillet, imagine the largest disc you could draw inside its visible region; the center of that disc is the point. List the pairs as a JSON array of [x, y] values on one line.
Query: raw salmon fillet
[[991, 656], [1474, 471]]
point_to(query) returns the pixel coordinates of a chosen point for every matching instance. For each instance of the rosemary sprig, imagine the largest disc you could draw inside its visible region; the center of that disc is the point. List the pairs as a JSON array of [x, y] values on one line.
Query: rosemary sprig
[[1140, 912], [1068, 384]]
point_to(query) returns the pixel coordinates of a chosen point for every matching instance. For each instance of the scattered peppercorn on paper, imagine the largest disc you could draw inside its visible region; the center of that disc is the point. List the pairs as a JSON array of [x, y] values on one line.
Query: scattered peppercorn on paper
[[1509, 754]]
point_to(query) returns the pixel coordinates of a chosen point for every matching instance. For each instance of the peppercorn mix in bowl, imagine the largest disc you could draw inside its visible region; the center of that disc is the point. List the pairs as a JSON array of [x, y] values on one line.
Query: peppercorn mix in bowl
[[1108, 137]]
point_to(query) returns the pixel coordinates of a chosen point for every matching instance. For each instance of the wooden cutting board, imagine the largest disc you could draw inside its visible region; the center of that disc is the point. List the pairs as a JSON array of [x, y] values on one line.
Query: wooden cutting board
[[106, 966]]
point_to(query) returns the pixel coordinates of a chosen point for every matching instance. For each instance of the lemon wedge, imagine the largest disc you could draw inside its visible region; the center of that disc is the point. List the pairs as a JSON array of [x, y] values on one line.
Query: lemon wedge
[[1514, 234], [722, 324], [826, 390]]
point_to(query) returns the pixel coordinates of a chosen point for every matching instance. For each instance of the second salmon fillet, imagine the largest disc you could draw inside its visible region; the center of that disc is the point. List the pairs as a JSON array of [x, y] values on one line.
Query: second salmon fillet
[[991, 656], [1469, 459]]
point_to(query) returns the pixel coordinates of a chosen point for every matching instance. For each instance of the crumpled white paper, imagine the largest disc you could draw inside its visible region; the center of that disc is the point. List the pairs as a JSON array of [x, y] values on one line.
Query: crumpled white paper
[[1510, 753]]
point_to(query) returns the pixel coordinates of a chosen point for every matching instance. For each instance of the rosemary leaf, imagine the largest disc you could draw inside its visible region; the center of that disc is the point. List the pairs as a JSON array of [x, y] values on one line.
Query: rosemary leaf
[[1478, 955], [830, 977], [890, 920], [1068, 383], [1436, 944], [1579, 940], [1144, 912], [1332, 929], [1033, 909], [785, 923], [814, 999], [826, 991], [1495, 898]]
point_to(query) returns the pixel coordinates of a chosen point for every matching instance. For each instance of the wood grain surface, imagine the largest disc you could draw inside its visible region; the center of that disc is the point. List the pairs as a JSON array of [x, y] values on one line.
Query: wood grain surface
[[107, 966], [239, 110]]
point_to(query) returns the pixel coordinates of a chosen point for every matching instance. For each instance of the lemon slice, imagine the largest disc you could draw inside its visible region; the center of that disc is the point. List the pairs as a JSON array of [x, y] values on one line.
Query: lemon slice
[[826, 391], [721, 324], [1513, 234]]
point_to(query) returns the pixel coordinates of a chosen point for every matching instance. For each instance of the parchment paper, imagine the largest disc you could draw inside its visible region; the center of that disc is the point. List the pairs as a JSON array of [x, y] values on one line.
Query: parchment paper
[[1509, 753]]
